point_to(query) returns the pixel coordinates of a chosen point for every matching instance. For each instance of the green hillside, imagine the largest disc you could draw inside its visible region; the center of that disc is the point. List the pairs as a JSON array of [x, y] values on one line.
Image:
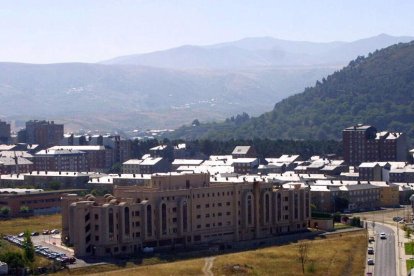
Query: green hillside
[[377, 90]]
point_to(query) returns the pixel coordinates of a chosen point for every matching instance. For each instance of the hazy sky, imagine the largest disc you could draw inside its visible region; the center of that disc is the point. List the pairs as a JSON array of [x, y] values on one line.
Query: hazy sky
[[46, 31]]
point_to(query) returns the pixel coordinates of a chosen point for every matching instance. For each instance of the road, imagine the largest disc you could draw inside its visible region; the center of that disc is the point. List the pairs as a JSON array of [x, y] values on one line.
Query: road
[[384, 252]]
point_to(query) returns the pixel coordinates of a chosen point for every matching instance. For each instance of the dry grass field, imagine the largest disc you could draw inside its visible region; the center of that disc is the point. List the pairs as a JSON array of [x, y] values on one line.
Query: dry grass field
[[338, 254], [37, 223]]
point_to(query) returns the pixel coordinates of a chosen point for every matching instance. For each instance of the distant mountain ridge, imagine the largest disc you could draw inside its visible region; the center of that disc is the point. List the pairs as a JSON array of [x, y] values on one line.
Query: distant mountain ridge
[[261, 51], [377, 89], [108, 97], [209, 83]]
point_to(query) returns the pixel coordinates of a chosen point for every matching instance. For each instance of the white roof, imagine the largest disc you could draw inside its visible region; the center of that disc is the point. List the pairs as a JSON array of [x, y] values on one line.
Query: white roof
[[132, 162], [244, 160], [151, 161], [79, 148], [20, 191], [58, 152], [187, 162], [6, 147], [241, 150]]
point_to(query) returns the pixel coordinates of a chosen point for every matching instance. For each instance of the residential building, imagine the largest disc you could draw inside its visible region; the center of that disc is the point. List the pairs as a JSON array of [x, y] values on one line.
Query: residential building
[[5, 133], [154, 165], [131, 166], [35, 201], [45, 180], [61, 160], [245, 165], [404, 174], [181, 210], [17, 164], [362, 143], [44, 133], [100, 158], [374, 171]]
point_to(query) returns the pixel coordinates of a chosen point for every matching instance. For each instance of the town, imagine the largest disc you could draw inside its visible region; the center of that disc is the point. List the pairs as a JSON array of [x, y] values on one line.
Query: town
[[166, 200]]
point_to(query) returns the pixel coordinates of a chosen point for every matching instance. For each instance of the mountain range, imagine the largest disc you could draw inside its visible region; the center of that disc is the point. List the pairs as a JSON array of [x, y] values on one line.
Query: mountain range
[[166, 89], [259, 52], [377, 90]]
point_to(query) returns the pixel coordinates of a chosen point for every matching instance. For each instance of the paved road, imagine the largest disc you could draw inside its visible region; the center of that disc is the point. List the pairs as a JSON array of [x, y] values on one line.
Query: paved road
[[384, 252]]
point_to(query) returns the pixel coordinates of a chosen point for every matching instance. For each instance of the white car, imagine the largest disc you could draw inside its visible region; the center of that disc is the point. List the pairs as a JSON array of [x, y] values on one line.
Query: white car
[[383, 236]]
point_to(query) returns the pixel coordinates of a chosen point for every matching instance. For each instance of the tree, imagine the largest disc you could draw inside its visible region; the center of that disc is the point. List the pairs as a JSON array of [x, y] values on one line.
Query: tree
[[196, 122], [24, 209], [13, 259], [55, 185], [5, 211], [303, 251], [29, 251], [356, 221]]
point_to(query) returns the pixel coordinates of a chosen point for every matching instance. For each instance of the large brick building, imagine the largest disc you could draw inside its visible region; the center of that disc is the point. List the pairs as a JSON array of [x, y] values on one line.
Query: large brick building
[[44, 133], [362, 143], [176, 210], [61, 160], [36, 201], [100, 158]]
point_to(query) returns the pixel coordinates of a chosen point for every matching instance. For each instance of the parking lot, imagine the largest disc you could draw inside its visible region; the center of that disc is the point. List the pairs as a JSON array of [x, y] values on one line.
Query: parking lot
[[49, 246]]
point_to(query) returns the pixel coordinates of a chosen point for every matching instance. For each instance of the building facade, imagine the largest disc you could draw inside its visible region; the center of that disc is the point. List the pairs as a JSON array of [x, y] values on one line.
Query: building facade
[[362, 143], [181, 210], [44, 133], [61, 160]]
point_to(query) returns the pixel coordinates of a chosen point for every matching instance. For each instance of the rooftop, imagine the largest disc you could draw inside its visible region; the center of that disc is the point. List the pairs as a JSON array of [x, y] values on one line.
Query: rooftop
[[241, 150]]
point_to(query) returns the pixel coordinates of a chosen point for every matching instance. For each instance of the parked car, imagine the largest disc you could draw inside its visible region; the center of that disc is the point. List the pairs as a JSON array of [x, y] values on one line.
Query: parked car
[[371, 239], [54, 231], [383, 236], [35, 234], [20, 235], [370, 261], [397, 218], [370, 250], [46, 232]]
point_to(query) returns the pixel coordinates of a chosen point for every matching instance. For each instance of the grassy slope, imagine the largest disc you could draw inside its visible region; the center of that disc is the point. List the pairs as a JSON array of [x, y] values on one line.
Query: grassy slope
[[337, 254], [37, 223]]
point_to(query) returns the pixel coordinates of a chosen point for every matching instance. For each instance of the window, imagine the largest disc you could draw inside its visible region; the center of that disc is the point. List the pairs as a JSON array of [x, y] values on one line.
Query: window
[[149, 220], [126, 217], [164, 218], [249, 210], [111, 223], [267, 208]]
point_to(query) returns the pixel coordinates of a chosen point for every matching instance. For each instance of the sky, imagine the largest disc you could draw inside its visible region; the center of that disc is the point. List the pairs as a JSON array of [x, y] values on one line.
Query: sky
[[51, 31]]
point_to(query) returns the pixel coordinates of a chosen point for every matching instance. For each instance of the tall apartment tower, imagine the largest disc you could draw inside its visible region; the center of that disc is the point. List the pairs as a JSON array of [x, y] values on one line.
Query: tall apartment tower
[[44, 133], [362, 143], [4, 132]]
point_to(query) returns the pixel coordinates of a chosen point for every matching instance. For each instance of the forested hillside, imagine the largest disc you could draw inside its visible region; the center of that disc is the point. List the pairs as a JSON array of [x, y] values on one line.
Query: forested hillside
[[377, 89]]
